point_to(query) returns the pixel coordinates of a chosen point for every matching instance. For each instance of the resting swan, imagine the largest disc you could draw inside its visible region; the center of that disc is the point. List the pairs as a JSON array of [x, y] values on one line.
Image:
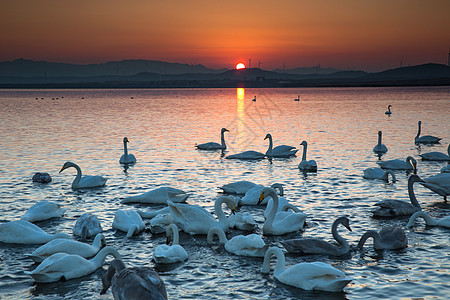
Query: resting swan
[[278, 223], [128, 221], [238, 187], [426, 139], [24, 232], [85, 181], [396, 164], [247, 155], [86, 226], [390, 237], [43, 210], [214, 145], [159, 196], [133, 283], [440, 184], [377, 173], [305, 246], [307, 165], [63, 266], [167, 254], [388, 112], [282, 151], [127, 158], [244, 245], [380, 148], [308, 276], [195, 219], [252, 195], [436, 156], [443, 222], [68, 246]]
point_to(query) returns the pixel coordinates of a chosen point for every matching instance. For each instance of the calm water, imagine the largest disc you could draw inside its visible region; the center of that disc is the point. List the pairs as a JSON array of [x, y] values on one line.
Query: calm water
[[340, 125]]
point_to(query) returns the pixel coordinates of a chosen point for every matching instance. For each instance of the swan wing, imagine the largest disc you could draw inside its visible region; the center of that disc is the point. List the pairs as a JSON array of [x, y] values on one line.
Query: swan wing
[[90, 181], [43, 210], [435, 156], [305, 246], [192, 219], [239, 187], [247, 155], [439, 184], [209, 146]]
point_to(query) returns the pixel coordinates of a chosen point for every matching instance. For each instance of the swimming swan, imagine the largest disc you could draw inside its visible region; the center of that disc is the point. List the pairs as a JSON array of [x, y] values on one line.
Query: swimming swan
[[380, 147], [128, 221], [308, 276], [390, 237], [195, 219], [282, 151], [426, 139], [167, 254], [63, 266], [307, 165], [394, 208], [85, 181], [86, 226], [68, 246], [377, 173], [247, 155], [396, 164], [388, 112], [126, 158], [244, 245], [159, 196], [278, 223], [440, 184], [133, 283], [305, 246], [436, 156], [24, 232], [43, 210], [443, 222], [214, 145], [238, 187]]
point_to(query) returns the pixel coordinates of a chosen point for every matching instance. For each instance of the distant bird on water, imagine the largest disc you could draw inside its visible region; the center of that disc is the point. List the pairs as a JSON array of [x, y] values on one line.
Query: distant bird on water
[[388, 112]]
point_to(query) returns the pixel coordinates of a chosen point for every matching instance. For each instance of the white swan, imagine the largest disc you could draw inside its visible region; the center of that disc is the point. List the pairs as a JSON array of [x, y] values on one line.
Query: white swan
[[304, 246], [214, 145], [396, 164], [278, 223], [247, 155], [128, 221], [440, 184], [436, 156], [443, 222], [238, 187], [63, 266], [388, 112], [133, 283], [390, 237], [126, 157], [283, 205], [380, 148], [168, 254], [395, 208], [195, 219], [41, 177], [43, 210], [86, 226], [426, 139], [308, 276], [86, 181], [68, 246], [282, 151], [307, 165], [244, 245], [159, 196], [252, 195], [24, 232], [377, 173]]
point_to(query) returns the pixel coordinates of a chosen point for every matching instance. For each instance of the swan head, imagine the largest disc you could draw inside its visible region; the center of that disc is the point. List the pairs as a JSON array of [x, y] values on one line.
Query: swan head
[[268, 136], [346, 222], [223, 130], [304, 143], [66, 165], [265, 193], [379, 133], [125, 140], [230, 202]]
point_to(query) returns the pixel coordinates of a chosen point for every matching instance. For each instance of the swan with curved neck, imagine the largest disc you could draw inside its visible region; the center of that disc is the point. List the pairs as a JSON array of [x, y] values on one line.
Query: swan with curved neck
[[380, 148], [305, 246], [86, 181], [126, 158], [388, 112], [377, 173], [443, 222], [436, 156], [396, 164], [244, 245], [282, 151], [24, 232], [214, 145], [308, 276], [307, 165], [128, 221], [426, 139], [167, 254], [63, 266], [390, 237]]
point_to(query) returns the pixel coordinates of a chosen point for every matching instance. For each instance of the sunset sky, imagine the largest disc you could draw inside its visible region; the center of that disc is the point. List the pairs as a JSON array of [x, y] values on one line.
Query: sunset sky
[[364, 35]]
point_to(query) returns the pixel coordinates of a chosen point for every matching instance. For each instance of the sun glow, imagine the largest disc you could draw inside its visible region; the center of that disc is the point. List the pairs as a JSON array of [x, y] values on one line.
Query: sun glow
[[240, 66]]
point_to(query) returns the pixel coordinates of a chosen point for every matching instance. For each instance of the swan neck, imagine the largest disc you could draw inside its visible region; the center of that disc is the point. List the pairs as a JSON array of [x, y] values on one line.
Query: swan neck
[[115, 266], [274, 209], [222, 139], [379, 140], [420, 214], [97, 243], [77, 179], [101, 255], [412, 196], [133, 228], [418, 132], [369, 234], [125, 148], [280, 266], [336, 234], [173, 230], [219, 211], [305, 146], [269, 151], [220, 234]]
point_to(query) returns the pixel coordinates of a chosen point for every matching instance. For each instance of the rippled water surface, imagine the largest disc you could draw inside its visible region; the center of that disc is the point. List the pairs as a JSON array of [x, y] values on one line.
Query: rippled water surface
[[41, 129]]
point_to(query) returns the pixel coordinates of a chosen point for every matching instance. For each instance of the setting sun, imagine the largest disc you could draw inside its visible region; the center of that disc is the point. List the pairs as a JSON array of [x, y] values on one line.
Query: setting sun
[[240, 66]]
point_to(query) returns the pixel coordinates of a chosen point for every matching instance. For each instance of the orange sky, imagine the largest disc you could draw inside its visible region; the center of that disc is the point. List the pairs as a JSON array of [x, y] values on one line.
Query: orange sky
[[367, 35]]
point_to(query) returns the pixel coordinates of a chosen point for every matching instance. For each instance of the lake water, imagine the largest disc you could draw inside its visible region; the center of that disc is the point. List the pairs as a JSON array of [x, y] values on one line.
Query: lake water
[[42, 129]]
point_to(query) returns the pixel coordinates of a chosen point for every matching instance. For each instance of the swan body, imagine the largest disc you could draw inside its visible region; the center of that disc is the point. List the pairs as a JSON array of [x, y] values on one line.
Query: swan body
[[304, 246], [63, 266], [244, 245], [128, 221], [242, 221], [68, 246], [238, 187], [159, 196], [86, 226], [282, 151], [41, 177], [213, 145], [426, 139], [133, 283], [443, 222], [86, 181], [194, 219], [43, 210], [390, 237], [440, 184], [24, 232], [395, 208], [436, 156], [396, 164], [388, 112], [380, 147], [126, 157], [307, 165], [167, 254], [307, 276], [377, 173], [160, 223], [278, 223], [252, 195], [247, 155]]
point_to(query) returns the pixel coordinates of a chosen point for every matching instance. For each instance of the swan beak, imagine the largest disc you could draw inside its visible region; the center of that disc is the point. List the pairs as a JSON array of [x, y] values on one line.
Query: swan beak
[[261, 198], [226, 130], [266, 137], [168, 240], [62, 169], [348, 227], [233, 211]]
